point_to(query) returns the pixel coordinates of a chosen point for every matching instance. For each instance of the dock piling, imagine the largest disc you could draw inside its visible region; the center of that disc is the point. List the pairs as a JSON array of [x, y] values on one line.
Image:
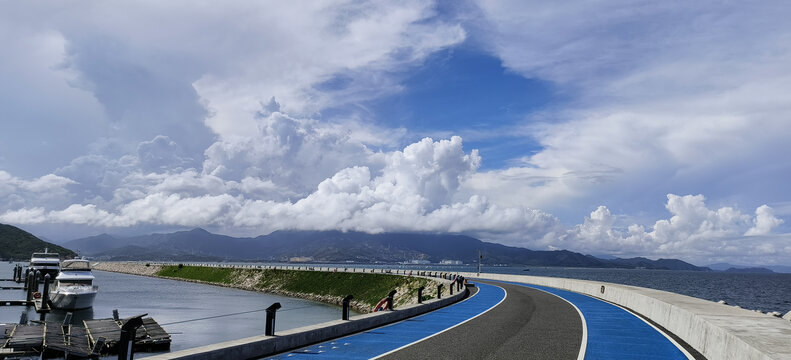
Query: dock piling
[[27, 278], [37, 274], [29, 285], [45, 293], [115, 314], [451, 288], [23, 318], [345, 312], [420, 294], [270, 319], [439, 291]]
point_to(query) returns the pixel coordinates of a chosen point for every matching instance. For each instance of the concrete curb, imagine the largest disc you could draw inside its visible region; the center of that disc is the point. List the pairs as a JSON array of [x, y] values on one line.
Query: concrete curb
[[260, 346], [717, 331]]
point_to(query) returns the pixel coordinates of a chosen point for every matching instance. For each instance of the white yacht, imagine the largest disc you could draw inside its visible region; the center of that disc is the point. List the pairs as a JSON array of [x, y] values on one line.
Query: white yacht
[[73, 288], [45, 263]]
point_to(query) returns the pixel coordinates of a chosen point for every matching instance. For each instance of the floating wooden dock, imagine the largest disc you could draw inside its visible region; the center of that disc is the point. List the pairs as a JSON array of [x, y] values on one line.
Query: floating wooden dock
[[57, 340]]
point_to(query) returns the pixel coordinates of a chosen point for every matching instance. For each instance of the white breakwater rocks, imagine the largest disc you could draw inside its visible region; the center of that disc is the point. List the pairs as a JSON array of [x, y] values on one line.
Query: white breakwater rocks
[[134, 268]]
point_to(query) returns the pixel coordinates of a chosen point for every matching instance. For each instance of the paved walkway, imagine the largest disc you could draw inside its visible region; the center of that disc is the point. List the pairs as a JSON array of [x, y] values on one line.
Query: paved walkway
[[529, 325], [615, 333], [382, 340], [508, 321]]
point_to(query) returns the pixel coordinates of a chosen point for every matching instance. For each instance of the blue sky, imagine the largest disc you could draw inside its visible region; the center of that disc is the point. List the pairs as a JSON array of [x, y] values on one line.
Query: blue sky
[[616, 127]]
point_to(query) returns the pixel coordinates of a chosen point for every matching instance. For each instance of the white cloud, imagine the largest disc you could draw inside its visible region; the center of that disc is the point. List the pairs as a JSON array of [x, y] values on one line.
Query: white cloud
[[764, 221], [411, 190], [694, 232], [689, 96]]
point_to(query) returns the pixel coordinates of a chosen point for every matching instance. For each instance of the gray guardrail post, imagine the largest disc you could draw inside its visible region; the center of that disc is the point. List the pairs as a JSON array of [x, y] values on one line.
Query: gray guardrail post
[[439, 291], [345, 312], [270, 319], [126, 349], [420, 294], [390, 299]]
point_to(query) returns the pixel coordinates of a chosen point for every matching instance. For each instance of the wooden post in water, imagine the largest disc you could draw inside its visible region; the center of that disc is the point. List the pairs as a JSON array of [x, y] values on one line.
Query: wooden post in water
[[27, 278], [45, 293], [29, 286], [35, 280]]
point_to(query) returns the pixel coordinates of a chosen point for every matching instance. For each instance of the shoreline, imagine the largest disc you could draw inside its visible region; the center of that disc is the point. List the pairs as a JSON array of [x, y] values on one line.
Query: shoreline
[[248, 279]]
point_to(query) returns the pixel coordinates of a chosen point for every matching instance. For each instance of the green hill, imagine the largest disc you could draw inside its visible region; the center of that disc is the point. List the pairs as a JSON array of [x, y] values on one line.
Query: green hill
[[18, 244]]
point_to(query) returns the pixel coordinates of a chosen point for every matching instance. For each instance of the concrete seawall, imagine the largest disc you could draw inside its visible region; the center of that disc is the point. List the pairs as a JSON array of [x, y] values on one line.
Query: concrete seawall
[[717, 331]]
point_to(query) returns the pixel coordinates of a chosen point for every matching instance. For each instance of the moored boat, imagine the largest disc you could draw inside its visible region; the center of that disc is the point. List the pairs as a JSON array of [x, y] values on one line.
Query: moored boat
[[45, 263], [73, 288]]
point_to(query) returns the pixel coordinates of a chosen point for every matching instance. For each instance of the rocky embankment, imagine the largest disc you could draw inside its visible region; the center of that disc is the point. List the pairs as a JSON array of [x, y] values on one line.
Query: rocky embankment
[[253, 279]]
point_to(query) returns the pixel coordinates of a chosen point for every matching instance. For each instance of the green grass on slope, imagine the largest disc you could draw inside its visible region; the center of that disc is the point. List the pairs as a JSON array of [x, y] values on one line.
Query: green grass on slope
[[365, 287], [208, 274]]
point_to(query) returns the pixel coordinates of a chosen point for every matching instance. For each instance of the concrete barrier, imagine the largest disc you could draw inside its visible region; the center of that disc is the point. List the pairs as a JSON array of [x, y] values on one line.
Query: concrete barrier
[[717, 331], [261, 345]]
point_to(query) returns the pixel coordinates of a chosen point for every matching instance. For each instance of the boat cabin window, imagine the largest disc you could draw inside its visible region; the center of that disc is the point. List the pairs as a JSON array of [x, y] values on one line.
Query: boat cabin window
[[75, 282], [75, 265]]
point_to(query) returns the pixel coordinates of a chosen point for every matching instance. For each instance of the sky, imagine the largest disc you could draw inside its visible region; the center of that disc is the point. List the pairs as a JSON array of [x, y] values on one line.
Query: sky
[[624, 128]]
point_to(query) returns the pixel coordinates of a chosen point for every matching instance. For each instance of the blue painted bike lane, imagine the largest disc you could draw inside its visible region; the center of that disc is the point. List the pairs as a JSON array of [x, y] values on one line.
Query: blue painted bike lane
[[382, 340], [613, 332]]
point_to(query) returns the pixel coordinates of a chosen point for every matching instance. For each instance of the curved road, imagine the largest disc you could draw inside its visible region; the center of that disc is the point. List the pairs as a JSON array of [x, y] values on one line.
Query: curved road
[[508, 321], [528, 324]]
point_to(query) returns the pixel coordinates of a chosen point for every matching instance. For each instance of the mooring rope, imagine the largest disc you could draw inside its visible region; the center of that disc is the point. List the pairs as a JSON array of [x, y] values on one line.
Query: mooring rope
[[232, 314]]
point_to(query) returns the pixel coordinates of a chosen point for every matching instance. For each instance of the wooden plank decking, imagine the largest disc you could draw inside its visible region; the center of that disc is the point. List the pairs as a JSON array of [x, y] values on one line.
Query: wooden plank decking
[[52, 339]]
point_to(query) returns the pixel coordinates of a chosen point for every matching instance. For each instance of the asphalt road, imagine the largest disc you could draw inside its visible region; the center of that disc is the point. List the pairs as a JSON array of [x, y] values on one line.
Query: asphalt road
[[528, 324]]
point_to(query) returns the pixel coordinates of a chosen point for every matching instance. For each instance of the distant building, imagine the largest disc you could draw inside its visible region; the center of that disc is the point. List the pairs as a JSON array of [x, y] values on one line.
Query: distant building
[[300, 259], [416, 262], [451, 262]]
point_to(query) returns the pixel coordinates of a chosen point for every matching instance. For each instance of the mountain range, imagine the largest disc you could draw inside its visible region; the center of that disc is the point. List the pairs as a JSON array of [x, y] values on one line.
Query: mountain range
[[335, 246]]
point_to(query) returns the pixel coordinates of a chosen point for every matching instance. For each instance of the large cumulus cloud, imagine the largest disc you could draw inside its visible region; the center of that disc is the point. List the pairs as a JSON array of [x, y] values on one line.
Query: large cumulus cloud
[[412, 190], [693, 231]]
